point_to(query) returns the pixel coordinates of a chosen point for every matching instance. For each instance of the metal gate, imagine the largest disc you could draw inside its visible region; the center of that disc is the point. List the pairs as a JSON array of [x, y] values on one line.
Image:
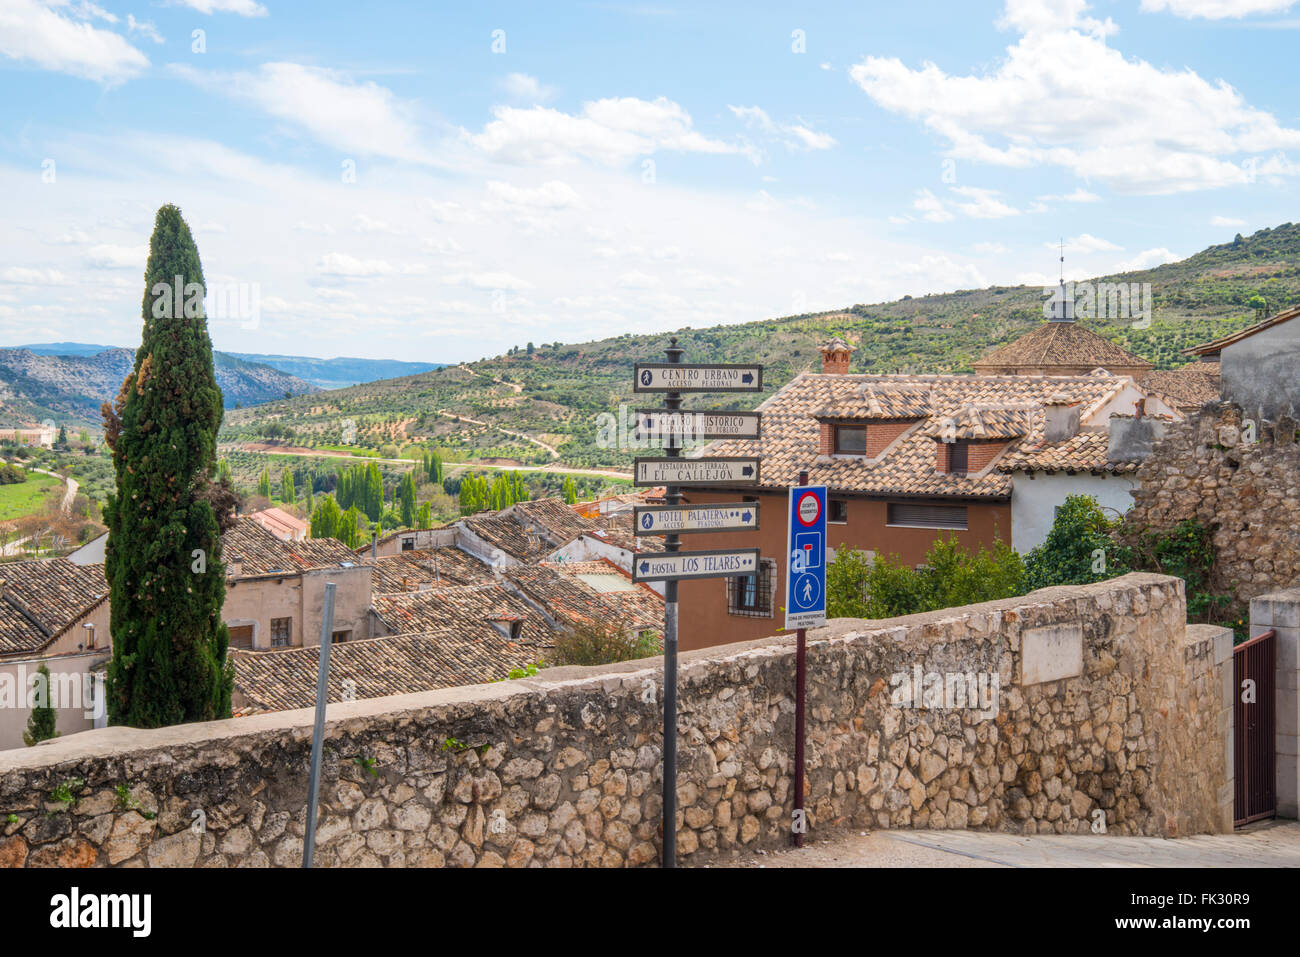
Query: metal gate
[[1254, 722]]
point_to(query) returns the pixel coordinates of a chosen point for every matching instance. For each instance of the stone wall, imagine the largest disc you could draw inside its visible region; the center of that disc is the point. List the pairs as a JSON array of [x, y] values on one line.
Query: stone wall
[[1245, 491], [1108, 708]]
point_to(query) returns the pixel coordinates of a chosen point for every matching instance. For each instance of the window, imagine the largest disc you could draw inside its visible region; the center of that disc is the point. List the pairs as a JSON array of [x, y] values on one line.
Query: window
[[928, 516], [850, 440], [241, 636], [838, 511], [958, 457], [281, 632], [341, 636], [408, 544], [750, 596]]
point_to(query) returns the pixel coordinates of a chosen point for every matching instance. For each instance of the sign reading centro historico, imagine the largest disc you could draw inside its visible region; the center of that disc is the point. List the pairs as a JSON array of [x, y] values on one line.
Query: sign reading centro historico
[[699, 425], [674, 566], [721, 470], [685, 377]]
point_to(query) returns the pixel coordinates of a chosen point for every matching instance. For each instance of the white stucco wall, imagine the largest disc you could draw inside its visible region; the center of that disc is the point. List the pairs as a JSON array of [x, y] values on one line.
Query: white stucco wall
[[1034, 501]]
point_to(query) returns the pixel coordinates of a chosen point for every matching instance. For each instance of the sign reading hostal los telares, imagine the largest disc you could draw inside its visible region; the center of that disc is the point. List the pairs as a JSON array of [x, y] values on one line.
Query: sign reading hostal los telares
[[674, 566], [683, 377], [721, 470]]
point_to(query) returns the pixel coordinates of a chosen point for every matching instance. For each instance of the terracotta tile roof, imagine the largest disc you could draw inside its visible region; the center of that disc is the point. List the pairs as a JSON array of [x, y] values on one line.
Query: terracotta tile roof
[[261, 553], [590, 591], [907, 467], [41, 598], [280, 523], [1187, 388], [980, 422], [376, 667], [531, 531], [1063, 345], [1086, 452], [429, 567], [1210, 348], [468, 609]]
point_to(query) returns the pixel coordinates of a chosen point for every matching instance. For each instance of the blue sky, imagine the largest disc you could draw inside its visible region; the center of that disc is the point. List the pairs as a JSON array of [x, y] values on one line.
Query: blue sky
[[442, 182]]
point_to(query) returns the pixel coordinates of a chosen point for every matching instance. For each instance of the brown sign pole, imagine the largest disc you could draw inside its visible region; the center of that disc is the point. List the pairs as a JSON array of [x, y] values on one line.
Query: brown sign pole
[[672, 496]]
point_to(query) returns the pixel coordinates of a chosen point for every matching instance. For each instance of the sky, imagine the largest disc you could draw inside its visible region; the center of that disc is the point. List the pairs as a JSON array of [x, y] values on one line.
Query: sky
[[441, 182]]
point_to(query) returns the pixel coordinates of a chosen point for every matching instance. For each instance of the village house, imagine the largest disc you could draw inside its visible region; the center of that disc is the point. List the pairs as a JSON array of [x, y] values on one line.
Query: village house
[[1260, 366], [281, 524], [43, 436], [56, 612], [546, 530], [909, 459]]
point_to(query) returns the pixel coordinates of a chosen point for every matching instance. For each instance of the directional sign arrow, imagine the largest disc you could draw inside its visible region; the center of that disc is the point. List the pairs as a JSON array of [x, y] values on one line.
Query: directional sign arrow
[[674, 519], [713, 563], [688, 377], [718, 470], [660, 424]]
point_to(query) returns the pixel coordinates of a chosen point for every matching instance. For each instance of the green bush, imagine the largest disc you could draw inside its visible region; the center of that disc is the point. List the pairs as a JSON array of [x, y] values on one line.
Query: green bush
[[603, 643], [1079, 549]]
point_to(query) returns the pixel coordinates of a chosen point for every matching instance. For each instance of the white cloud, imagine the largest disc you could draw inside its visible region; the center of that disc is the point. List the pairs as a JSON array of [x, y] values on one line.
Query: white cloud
[[1120, 120], [983, 203], [362, 223], [1086, 243], [145, 28], [930, 207], [31, 31], [638, 280], [25, 276], [1147, 259], [991, 249], [364, 118], [1216, 9], [487, 281], [1080, 195], [610, 131], [521, 86], [244, 8], [795, 135], [349, 267], [552, 195], [1226, 221], [322, 229], [109, 256]]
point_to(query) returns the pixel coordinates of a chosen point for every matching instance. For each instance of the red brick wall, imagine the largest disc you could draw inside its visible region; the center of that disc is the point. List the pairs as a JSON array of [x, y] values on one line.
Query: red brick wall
[[981, 454], [835, 363], [880, 434], [826, 443]]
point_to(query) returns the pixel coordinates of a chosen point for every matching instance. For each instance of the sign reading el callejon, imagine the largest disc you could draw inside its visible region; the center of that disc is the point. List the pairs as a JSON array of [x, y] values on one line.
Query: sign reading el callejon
[[721, 470], [684, 377]]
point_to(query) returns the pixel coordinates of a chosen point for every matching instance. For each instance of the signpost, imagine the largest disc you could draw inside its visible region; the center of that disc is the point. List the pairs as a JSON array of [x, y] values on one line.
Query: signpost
[[805, 607], [676, 377], [699, 425], [671, 520], [683, 519], [676, 566], [719, 470]]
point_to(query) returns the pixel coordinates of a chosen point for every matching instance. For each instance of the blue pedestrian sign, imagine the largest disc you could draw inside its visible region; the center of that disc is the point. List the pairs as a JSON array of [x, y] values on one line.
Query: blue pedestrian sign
[[805, 572]]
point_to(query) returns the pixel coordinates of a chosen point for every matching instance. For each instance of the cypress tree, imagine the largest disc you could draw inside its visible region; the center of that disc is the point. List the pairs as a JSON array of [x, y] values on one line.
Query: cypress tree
[[40, 723], [406, 492], [163, 559], [264, 484], [286, 487]]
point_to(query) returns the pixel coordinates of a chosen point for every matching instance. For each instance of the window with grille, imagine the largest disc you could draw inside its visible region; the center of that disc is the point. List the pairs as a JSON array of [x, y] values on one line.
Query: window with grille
[[928, 516], [751, 596], [958, 457], [838, 512], [281, 632]]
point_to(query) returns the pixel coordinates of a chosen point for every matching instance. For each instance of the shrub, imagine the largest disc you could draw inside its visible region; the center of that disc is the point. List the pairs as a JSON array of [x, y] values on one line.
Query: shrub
[[602, 643], [1069, 554]]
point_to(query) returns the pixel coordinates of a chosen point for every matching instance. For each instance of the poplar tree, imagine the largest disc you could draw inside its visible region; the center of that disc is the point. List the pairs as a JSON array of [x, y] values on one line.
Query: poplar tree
[[406, 495], [264, 483], [163, 558], [286, 487]]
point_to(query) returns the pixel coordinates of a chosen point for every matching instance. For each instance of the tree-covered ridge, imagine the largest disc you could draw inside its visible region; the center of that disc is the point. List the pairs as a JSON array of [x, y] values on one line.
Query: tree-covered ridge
[[553, 392]]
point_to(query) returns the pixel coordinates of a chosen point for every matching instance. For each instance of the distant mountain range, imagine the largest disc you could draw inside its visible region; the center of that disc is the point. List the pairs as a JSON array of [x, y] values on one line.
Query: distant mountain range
[[337, 373], [68, 387]]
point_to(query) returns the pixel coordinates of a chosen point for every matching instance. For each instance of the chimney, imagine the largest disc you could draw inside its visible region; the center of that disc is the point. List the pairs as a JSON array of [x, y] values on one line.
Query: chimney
[[835, 357], [1061, 419]]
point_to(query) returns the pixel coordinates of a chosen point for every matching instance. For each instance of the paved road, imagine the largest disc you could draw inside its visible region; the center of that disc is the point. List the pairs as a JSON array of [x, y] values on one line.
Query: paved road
[[1269, 844]]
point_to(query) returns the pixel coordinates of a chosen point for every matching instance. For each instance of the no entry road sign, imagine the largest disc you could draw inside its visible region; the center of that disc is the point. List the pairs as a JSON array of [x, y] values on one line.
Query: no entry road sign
[[669, 519], [805, 578], [661, 423], [675, 566], [686, 377], [720, 470]]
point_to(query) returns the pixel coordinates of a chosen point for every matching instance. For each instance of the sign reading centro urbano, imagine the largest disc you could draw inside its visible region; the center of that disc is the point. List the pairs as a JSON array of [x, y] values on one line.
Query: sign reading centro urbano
[[687, 377], [699, 425], [674, 566], [669, 519], [720, 470]]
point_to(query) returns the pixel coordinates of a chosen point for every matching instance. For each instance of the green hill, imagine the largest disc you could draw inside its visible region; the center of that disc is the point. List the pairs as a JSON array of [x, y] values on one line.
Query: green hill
[[554, 395]]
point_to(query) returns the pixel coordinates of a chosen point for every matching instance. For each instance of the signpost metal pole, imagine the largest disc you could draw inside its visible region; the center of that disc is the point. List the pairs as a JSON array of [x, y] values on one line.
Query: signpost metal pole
[[800, 679], [318, 732], [673, 496]]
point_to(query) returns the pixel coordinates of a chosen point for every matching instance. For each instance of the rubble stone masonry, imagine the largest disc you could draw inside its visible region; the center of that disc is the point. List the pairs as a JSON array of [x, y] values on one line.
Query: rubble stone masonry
[[1207, 468], [1108, 708]]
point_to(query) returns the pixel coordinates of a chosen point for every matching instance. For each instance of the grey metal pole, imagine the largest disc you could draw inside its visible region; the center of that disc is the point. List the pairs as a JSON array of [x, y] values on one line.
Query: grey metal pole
[[318, 731], [672, 543]]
